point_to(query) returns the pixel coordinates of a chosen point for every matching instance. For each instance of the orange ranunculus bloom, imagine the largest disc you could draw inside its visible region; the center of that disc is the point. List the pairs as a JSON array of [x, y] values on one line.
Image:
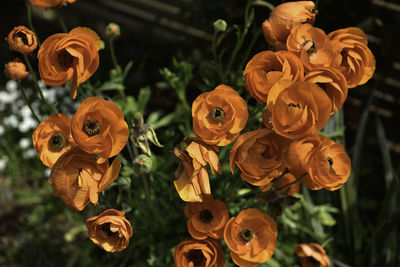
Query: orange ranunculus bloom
[[52, 138], [98, 127], [298, 109], [259, 154], [16, 70], [329, 167], [22, 40], [251, 237], [283, 18], [333, 82], [326, 162], [77, 178], [50, 3], [110, 230], [266, 68], [204, 253], [313, 47], [192, 181], [300, 152], [69, 56], [207, 218], [311, 255], [286, 179], [219, 116], [357, 61]]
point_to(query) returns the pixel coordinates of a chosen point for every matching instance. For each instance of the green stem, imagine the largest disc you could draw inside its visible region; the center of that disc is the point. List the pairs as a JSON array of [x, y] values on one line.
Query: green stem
[[61, 20], [249, 49], [289, 184], [239, 42], [112, 51], [29, 15], [27, 102], [36, 85], [216, 59]]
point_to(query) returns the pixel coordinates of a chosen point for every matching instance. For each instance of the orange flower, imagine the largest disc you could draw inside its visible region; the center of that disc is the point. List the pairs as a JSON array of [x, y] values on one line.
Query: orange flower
[[207, 218], [326, 162], [66, 56], [312, 46], [333, 82], [266, 68], [192, 181], [22, 40], [312, 254], [50, 3], [283, 18], [298, 109], [329, 167], [357, 63], [259, 155], [77, 178], [219, 116], [98, 127], [193, 253], [52, 138], [110, 230], [16, 70], [251, 237], [286, 179]]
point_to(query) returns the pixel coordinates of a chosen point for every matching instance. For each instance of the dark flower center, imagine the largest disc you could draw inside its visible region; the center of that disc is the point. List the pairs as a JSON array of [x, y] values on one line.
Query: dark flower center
[[313, 261], [206, 216], [309, 46], [329, 159], [23, 37], [91, 127], [292, 105], [322, 85], [65, 59], [57, 141], [196, 257], [218, 114], [247, 234], [106, 229]]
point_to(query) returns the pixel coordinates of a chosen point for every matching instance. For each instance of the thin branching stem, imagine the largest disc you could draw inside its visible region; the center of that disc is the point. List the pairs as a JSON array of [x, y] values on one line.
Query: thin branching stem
[[289, 184], [27, 101], [36, 84], [30, 23], [61, 20]]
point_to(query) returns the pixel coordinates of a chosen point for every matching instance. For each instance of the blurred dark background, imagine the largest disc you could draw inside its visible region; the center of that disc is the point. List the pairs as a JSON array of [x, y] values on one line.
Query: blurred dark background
[[153, 31]]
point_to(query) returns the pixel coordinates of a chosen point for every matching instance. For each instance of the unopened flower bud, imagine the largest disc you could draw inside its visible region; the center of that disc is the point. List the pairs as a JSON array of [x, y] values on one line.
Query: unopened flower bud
[[143, 133], [22, 40], [143, 164], [220, 25], [16, 70], [113, 30]]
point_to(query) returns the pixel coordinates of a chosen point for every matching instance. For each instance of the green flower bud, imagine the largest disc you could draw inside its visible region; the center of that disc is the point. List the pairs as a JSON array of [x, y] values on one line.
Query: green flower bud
[[113, 30], [220, 25], [143, 164]]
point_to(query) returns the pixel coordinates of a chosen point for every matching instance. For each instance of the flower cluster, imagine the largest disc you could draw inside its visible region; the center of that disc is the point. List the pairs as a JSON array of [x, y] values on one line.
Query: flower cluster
[[79, 149], [301, 84]]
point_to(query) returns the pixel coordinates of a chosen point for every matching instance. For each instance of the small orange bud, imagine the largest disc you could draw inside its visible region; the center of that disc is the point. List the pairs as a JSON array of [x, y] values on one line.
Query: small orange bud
[[22, 40], [16, 70]]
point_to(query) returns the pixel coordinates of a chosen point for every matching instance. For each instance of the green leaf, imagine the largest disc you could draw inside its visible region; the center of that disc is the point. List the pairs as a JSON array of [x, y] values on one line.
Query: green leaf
[[164, 121], [143, 98], [127, 68]]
